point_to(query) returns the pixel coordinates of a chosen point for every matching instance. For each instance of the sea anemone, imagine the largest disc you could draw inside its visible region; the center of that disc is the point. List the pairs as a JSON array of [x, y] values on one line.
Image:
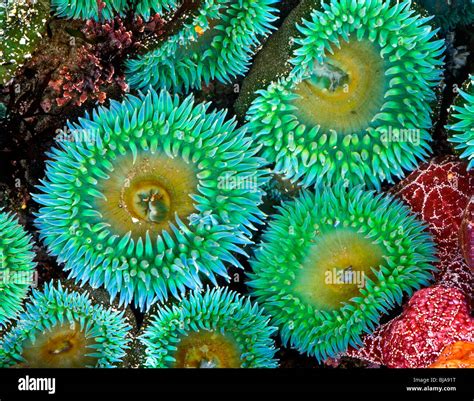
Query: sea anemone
[[457, 355], [434, 318], [16, 266], [439, 192], [331, 263], [462, 127], [22, 23], [65, 329], [89, 9], [356, 105], [150, 196], [214, 329], [216, 43]]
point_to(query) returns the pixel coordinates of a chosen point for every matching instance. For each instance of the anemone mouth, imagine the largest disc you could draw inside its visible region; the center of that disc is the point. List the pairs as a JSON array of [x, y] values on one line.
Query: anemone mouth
[[146, 194], [345, 91], [336, 268], [61, 346], [207, 349]]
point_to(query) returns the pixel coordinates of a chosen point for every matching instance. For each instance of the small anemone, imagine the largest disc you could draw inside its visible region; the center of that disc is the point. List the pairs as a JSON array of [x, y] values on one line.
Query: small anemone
[[16, 266], [356, 105], [462, 122], [64, 329], [331, 263], [215, 329], [217, 42], [152, 196]]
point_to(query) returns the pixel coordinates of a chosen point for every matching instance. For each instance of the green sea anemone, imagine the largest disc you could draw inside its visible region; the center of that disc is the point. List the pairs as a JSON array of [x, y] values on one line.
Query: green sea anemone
[[21, 25], [89, 9], [151, 196], [356, 105], [331, 263], [215, 329], [65, 329], [462, 118], [16, 266], [215, 42]]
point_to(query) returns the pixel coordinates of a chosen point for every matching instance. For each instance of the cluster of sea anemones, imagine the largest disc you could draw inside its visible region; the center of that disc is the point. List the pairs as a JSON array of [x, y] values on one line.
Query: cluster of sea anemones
[[158, 198]]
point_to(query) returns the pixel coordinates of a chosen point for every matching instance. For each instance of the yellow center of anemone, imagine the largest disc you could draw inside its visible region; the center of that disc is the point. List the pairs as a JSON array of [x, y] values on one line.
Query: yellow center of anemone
[[62, 346], [146, 195], [207, 349], [346, 91], [336, 268]]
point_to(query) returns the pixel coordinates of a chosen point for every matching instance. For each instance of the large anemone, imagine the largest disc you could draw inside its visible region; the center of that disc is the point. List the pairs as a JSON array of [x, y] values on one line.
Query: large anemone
[[152, 195], [214, 42], [22, 23], [462, 122], [64, 329], [356, 105], [331, 263], [16, 266], [215, 329]]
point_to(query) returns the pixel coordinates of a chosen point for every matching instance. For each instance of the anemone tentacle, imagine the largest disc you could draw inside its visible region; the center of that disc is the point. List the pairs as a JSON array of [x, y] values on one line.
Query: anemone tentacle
[[16, 266], [216, 328], [146, 7], [331, 263], [462, 127], [62, 328], [158, 195], [217, 43], [356, 105], [89, 9]]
